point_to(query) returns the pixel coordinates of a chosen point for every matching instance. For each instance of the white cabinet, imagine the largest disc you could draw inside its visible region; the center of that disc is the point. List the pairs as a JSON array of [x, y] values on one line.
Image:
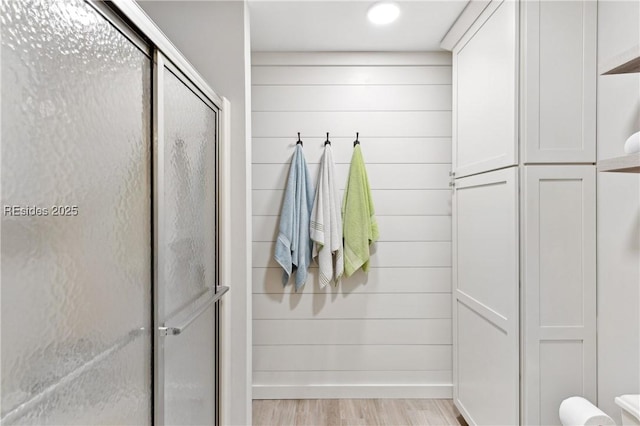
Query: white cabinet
[[531, 63], [544, 227], [558, 45], [524, 94], [559, 288], [485, 285], [485, 70]]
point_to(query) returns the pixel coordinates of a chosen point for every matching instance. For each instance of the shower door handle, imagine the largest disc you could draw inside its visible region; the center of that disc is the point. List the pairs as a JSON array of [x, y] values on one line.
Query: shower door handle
[[182, 321]]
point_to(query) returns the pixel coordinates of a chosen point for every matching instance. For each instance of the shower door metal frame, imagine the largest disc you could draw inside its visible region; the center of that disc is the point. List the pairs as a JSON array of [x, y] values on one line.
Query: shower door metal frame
[[133, 22], [162, 330], [133, 18]]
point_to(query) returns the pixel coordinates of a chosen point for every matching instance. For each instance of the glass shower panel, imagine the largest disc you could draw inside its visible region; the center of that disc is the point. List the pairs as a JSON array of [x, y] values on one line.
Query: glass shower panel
[[113, 391], [76, 243], [190, 374], [189, 247], [190, 135]]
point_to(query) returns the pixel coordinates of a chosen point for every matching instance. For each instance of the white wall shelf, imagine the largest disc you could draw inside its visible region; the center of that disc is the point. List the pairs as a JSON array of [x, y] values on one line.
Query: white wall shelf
[[623, 63], [625, 164]]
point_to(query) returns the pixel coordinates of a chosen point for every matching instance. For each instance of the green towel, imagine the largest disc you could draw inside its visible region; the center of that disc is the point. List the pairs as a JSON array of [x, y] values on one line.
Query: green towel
[[359, 223]]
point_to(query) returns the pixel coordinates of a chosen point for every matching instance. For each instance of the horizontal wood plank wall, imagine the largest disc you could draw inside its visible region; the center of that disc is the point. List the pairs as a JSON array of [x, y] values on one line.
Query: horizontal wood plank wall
[[386, 334]]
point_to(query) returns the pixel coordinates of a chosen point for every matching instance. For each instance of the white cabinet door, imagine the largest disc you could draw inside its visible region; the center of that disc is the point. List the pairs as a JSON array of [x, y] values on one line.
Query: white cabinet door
[[559, 81], [559, 286], [485, 95], [485, 311]]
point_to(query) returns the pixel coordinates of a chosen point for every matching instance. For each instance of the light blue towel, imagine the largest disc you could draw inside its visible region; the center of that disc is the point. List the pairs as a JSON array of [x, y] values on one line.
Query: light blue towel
[[293, 247]]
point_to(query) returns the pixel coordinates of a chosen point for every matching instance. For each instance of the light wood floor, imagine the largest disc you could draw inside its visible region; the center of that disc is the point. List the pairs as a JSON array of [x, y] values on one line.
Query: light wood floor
[[356, 412]]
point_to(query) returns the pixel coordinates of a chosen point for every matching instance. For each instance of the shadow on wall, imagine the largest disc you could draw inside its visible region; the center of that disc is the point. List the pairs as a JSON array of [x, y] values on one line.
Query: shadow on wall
[[345, 288]]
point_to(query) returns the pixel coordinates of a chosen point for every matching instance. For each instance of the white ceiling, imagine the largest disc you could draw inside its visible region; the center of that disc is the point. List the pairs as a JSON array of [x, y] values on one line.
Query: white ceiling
[[307, 25]]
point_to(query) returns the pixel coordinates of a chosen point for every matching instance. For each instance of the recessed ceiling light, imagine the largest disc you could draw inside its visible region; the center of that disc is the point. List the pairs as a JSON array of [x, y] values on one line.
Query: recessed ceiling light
[[383, 13]]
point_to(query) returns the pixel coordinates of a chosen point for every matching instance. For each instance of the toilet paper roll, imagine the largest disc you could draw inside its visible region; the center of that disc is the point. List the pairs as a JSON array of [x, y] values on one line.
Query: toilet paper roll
[[577, 411], [632, 145]]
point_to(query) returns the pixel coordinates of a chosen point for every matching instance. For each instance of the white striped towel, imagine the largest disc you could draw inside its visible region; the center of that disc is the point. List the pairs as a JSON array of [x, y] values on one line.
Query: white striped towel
[[326, 223]]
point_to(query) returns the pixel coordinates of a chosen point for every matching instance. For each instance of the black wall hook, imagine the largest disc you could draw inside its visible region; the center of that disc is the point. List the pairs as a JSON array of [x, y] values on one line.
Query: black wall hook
[[356, 142], [299, 141], [327, 141]]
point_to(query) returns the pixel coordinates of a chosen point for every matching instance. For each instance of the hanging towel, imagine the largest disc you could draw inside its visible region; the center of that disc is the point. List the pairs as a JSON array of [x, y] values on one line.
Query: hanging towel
[[293, 247], [326, 223], [360, 227]]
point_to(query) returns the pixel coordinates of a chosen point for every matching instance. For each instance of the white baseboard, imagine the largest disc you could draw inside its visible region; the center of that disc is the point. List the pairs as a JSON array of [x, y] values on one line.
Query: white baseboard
[[352, 391]]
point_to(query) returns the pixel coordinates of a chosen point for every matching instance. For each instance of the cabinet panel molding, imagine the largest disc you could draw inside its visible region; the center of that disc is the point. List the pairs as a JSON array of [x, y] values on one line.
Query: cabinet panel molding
[[485, 297], [485, 92], [559, 288], [559, 56]]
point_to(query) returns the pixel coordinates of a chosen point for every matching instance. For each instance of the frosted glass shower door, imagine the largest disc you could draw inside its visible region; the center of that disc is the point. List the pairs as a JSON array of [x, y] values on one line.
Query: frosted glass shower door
[[76, 230], [186, 245]]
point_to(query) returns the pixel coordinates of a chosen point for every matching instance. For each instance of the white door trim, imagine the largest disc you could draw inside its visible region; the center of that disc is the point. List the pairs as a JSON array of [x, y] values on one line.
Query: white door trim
[[224, 201]]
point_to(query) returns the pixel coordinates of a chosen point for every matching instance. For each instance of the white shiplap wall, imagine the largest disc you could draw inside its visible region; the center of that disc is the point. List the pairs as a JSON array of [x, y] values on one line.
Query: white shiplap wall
[[387, 334]]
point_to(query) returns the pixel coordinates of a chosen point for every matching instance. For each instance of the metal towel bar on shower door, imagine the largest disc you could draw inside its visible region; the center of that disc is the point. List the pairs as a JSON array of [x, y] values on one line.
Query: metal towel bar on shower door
[[181, 322]]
